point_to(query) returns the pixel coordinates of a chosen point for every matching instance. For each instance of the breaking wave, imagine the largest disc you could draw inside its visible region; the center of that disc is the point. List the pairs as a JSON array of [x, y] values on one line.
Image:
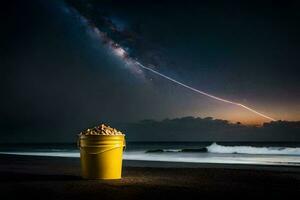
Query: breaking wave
[[216, 148]]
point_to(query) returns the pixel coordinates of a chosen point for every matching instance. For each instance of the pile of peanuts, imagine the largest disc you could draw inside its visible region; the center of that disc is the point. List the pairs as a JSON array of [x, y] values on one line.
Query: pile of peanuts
[[101, 130]]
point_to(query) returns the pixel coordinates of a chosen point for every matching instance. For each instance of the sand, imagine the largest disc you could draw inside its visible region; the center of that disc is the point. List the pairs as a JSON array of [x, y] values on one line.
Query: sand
[[59, 178]]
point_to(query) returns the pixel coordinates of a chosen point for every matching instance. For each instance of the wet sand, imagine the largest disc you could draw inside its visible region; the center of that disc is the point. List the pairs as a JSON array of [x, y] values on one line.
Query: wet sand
[[59, 178]]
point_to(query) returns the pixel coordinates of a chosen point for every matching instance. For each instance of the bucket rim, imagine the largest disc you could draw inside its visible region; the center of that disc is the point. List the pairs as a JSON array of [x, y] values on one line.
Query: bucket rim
[[79, 135]]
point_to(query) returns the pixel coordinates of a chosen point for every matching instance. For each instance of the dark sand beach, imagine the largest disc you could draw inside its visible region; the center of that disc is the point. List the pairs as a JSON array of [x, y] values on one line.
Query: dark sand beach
[[59, 178]]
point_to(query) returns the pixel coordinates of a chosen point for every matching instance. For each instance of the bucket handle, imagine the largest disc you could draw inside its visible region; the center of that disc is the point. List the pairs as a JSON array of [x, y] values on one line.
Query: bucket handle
[[124, 144], [114, 147], [78, 142]]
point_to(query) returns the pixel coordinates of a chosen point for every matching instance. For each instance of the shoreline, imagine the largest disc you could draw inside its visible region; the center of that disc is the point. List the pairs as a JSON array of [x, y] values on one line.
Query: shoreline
[[174, 164]]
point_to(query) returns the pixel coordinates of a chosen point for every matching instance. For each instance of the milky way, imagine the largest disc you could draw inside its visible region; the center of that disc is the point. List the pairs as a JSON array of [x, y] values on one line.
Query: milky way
[[133, 62]]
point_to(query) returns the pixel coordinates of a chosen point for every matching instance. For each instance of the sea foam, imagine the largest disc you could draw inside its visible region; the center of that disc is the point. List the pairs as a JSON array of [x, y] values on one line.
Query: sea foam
[[216, 148]]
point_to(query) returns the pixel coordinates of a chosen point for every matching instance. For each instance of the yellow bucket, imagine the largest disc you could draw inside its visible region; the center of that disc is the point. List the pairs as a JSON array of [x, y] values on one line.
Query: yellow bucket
[[101, 156]]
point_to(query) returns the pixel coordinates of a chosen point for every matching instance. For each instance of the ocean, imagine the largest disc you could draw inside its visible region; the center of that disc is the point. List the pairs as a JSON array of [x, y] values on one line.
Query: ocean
[[256, 153]]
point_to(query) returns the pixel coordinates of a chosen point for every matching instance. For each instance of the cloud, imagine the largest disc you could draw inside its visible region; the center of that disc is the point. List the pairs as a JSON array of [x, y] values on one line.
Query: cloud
[[209, 129]]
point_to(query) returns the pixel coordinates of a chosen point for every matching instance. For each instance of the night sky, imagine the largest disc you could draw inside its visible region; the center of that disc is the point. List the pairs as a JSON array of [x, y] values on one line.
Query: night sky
[[58, 76]]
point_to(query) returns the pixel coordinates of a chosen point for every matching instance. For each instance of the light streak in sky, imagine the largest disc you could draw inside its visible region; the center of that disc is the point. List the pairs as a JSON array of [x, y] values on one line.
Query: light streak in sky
[[204, 93], [120, 52]]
